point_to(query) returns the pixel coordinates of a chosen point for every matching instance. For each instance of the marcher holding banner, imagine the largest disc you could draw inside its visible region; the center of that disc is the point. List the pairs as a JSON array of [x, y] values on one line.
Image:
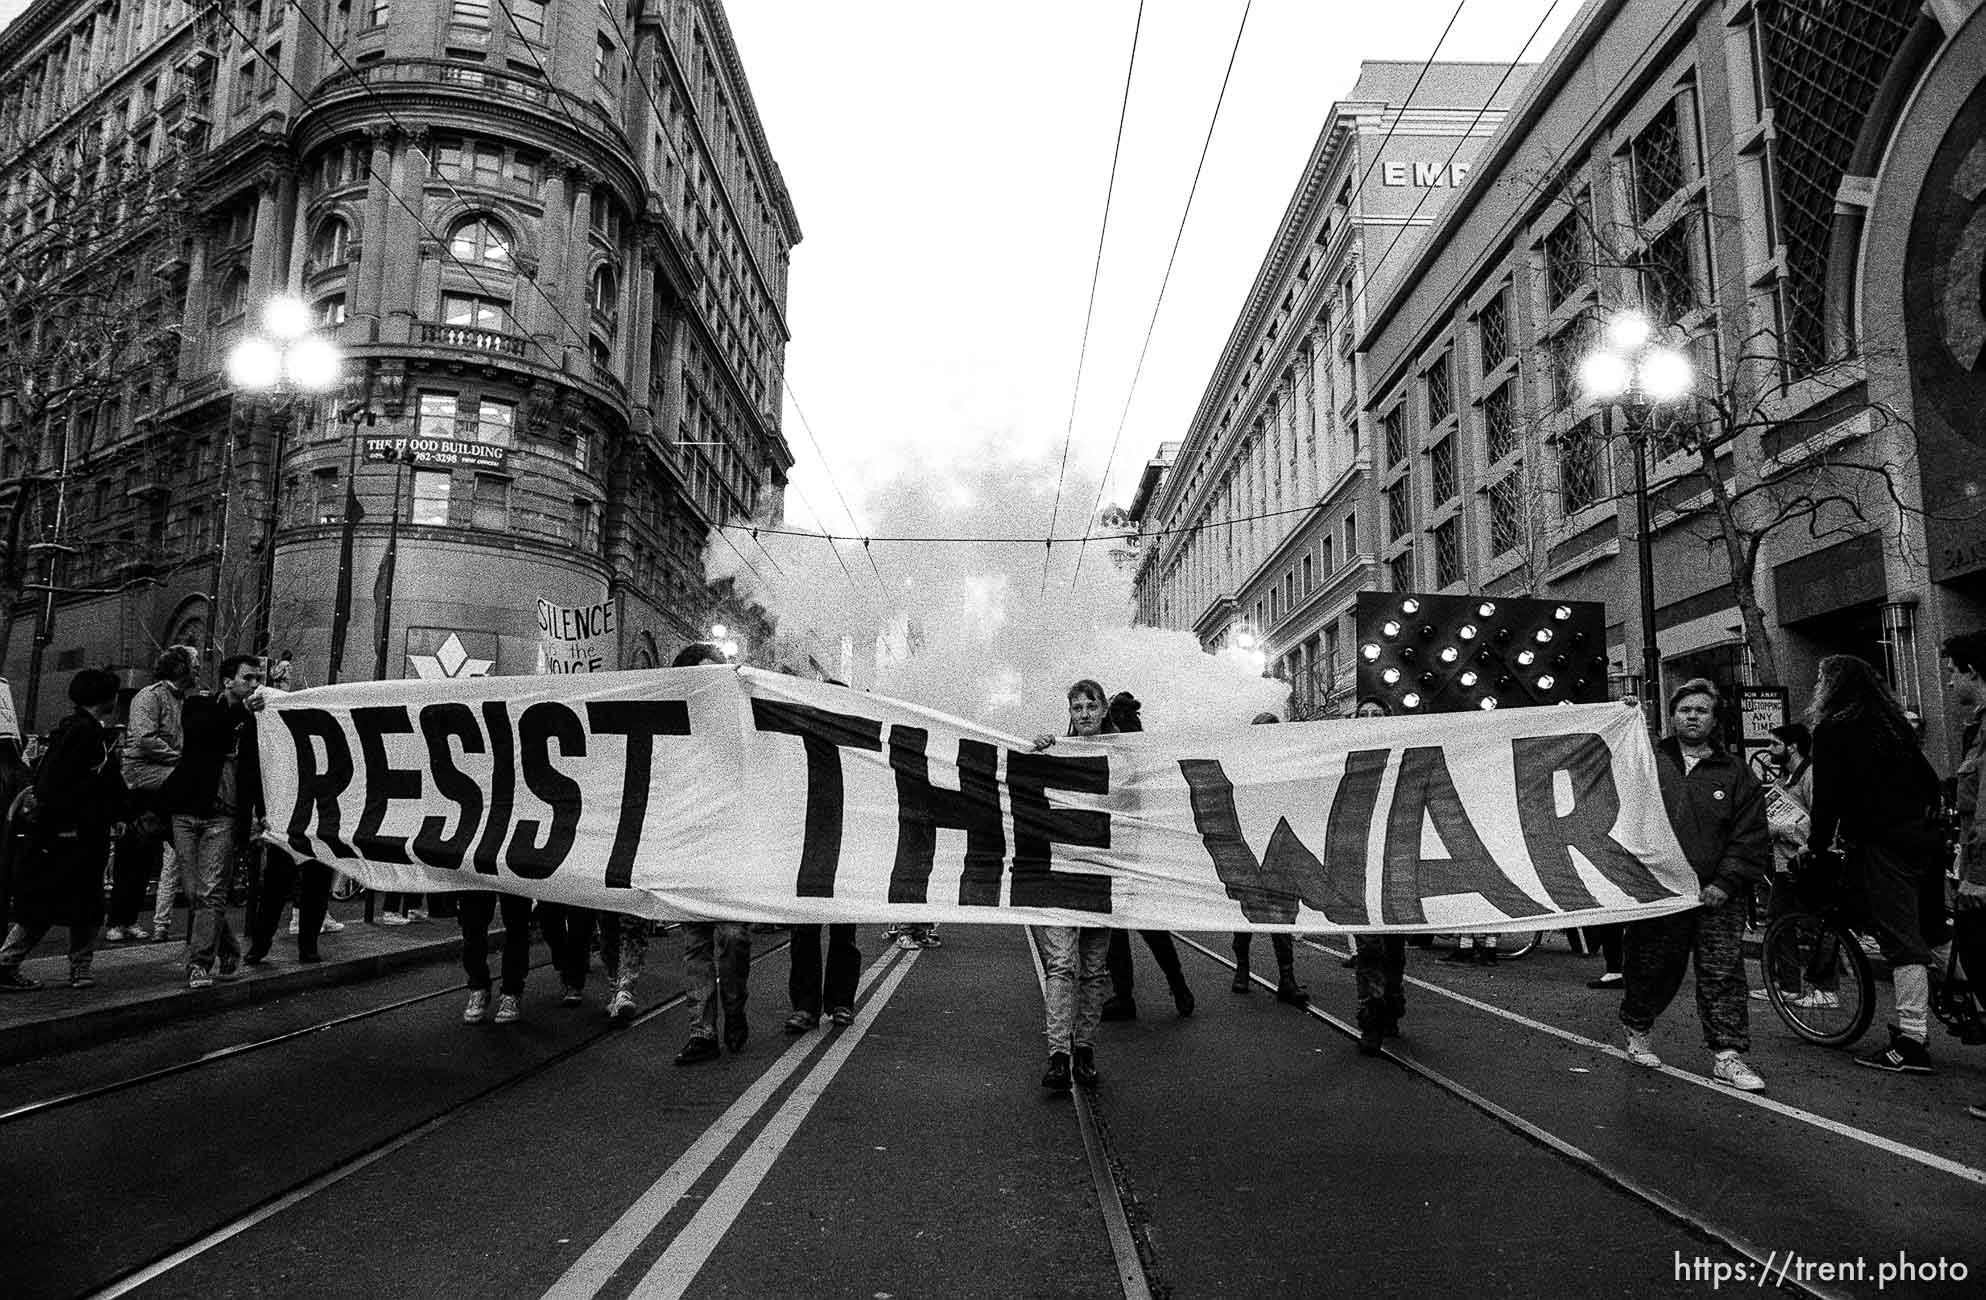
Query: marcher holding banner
[[1074, 958], [717, 955], [1718, 813]]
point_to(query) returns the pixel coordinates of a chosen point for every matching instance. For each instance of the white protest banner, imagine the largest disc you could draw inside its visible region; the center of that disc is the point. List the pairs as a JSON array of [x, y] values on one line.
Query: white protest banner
[[576, 639], [720, 792]]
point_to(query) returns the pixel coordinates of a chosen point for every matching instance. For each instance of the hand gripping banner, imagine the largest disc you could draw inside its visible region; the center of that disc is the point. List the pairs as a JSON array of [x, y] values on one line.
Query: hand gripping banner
[[729, 793]]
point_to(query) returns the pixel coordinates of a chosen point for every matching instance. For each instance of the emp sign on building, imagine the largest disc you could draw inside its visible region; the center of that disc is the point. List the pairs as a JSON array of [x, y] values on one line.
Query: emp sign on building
[[1446, 654]]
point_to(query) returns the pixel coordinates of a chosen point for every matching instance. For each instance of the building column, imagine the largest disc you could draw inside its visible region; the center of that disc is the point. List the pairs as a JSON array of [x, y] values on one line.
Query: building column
[[410, 246], [369, 282], [578, 246]]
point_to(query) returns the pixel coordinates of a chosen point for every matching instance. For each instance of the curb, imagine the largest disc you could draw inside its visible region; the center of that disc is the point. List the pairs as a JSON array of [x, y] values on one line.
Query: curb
[[96, 1025]]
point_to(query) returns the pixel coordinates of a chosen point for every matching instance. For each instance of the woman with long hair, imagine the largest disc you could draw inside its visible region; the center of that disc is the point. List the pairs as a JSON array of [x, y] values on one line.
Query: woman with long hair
[[1073, 958], [1876, 792]]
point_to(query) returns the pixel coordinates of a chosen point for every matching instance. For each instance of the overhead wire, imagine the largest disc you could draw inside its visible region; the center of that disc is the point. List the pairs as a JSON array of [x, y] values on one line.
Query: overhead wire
[[1159, 302], [1012, 540], [807, 426], [1096, 274]]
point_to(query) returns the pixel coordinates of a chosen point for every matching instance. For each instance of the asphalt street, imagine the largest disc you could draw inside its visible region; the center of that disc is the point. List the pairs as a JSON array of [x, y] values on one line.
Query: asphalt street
[[1507, 1147]]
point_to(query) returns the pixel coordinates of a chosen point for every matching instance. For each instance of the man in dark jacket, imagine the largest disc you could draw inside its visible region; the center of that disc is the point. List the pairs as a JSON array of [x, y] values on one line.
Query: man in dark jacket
[[79, 796], [206, 795], [1718, 812]]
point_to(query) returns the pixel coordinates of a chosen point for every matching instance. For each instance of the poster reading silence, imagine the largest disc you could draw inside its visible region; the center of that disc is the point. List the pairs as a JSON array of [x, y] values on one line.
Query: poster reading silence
[[576, 638]]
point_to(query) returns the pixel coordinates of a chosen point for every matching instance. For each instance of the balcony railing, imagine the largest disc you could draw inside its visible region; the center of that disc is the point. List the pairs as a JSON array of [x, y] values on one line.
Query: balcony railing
[[474, 79], [603, 374], [473, 339]]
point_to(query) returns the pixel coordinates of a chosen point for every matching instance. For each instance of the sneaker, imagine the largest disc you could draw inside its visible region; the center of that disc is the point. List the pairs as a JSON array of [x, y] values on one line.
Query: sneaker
[[116, 934], [801, 1021], [331, 926], [621, 1005], [477, 1009], [1730, 1068], [1640, 1050], [1817, 998], [1902, 1056], [392, 918], [296, 927], [1765, 995], [1613, 980], [509, 1009], [908, 942], [137, 933], [1057, 1079], [12, 981], [199, 978], [842, 1016], [571, 995], [414, 914], [931, 940], [82, 979], [697, 1051]]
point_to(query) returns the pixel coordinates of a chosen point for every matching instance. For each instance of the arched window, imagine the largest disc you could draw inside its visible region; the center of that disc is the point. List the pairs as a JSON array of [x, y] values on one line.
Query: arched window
[[234, 295], [481, 239], [332, 247], [601, 291]]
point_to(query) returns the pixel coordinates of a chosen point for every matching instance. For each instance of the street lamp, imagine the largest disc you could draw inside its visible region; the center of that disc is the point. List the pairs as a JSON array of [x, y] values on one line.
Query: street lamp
[[285, 358], [721, 637], [1635, 371]]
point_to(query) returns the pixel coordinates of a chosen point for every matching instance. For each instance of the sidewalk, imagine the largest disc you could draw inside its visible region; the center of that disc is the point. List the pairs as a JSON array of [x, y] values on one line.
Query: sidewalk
[[140, 985]]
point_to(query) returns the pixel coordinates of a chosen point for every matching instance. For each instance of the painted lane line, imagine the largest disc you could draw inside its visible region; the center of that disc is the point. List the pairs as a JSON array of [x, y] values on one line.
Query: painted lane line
[[1109, 1198], [671, 1275], [1888, 1146], [595, 1269], [339, 1173]]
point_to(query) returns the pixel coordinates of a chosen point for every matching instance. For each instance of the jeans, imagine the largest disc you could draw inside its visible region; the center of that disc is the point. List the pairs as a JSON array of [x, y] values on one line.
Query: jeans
[[205, 847], [169, 882], [717, 961], [623, 948], [568, 932], [1075, 966], [23, 936], [1659, 950], [476, 908], [806, 985]]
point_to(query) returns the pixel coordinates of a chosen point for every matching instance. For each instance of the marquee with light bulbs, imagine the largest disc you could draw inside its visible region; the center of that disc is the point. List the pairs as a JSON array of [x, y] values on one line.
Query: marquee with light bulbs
[[1447, 654]]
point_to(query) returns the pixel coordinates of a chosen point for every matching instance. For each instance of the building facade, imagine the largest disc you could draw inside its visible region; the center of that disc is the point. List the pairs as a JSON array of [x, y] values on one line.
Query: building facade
[[552, 243], [1261, 521], [1714, 164]]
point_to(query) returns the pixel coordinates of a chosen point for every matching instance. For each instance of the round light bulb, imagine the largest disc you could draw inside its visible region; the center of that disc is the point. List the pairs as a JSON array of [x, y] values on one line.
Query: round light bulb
[[1562, 613], [719, 631], [1246, 640], [1411, 700], [1469, 678], [1666, 374], [1410, 606], [1449, 654], [730, 649], [1467, 631], [1389, 629], [1628, 330], [1603, 376], [1526, 657], [1486, 609], [1390, 676], [286, 317], [1546, 682], [1488, 703], [255, 364], [1544, 635], [313, 364], [1371, 651]]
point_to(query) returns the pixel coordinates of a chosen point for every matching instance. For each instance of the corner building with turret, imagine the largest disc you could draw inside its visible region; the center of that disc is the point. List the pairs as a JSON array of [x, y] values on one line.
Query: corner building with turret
[[552, 244]]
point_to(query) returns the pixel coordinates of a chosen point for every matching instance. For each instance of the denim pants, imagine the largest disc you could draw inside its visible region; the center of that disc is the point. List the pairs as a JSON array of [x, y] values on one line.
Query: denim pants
[[169, 872], [205, 848], [1659, 950], [717, 961], [623, 948], [1076, 974], [476, 907], [807, 984]]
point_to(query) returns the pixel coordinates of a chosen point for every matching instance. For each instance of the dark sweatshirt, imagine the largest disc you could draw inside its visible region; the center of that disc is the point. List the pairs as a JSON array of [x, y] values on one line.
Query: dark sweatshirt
[[1868, 795], [1718, 812]]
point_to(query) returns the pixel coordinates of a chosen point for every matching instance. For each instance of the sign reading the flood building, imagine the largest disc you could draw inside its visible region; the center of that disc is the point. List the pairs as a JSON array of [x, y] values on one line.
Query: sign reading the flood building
[[729, 792]]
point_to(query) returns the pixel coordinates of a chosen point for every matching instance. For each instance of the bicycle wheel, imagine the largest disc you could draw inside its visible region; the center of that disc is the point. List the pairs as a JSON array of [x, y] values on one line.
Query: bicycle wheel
[[1509, 947], [344, 887], [1818, 979]]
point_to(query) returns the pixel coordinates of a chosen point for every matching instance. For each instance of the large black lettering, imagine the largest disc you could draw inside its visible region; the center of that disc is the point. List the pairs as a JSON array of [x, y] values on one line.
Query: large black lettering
[[1425, 792], [383, 782], [542, 723], [503, 786], [440, 722], [1587, 826], [318, 786], [1288, 872], [640, 721], [922, 808], [823, 734], [1037, 826]]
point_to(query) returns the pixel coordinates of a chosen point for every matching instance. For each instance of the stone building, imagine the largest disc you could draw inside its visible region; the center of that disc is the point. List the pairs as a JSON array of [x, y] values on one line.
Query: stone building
[[1260, 518], [552, 243]]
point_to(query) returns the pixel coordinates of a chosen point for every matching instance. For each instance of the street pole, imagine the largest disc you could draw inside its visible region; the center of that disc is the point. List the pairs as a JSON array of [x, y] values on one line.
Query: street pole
[[341, 614], [226, 497], [1644, 543], [383, 605], [265, 632]]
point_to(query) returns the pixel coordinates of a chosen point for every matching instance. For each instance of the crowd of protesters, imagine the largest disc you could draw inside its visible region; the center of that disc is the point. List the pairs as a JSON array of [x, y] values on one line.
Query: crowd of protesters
[[172, 798]]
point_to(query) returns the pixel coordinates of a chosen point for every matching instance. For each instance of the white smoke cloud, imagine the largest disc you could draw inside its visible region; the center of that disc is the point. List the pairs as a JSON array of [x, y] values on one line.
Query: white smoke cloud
[[969, 627]]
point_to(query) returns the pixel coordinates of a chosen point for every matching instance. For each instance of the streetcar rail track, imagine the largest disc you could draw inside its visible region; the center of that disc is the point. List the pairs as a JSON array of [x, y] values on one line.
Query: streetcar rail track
[[1582, 1159]]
